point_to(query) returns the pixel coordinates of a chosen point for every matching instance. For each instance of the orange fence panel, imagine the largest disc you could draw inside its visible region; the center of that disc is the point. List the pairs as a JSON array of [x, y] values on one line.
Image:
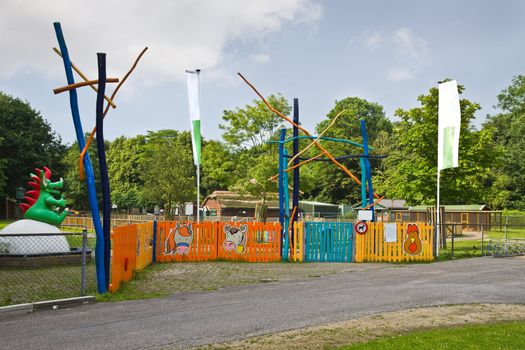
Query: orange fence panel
[[123, 255], [186, 241]]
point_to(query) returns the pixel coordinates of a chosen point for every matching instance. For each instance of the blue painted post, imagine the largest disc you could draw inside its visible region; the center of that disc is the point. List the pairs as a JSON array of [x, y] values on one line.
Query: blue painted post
[[103, 166], [295, 194], [286, 245], [364, 199], [280, 179], [154, 257], [90, 178], [368, 170]]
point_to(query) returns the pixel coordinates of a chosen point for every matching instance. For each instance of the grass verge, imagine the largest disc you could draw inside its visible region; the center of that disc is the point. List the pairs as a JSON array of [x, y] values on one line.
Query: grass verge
[[508, 335]]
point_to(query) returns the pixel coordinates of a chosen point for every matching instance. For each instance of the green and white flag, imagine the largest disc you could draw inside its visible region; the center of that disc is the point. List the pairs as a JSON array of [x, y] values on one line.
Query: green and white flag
[[449, 125], [193, 99]]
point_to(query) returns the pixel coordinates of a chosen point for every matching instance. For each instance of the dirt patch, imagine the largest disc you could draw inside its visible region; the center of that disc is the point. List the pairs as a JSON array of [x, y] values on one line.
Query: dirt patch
[[380, 325], [167, 279]]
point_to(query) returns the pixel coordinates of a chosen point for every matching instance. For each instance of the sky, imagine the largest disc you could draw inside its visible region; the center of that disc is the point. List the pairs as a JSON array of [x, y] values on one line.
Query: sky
[[388, 52]]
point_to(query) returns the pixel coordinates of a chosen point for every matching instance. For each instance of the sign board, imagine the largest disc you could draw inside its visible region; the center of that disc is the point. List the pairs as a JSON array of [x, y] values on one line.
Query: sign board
[[188, 209], [364, 215], [390, 232], [361, 227]]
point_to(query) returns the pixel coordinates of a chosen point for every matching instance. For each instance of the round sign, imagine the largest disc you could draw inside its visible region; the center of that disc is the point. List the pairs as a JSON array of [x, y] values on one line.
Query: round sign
[[361, 227]]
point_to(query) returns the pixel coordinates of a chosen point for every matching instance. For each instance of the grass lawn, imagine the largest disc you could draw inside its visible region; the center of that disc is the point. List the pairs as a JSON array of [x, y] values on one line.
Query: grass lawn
[[4, 223], [512, 233], [462, 249], [24, 285], [509, 335]]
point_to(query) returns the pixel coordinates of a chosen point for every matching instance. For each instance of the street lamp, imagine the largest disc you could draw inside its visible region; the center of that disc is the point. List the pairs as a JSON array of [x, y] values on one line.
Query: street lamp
[[19, 195]]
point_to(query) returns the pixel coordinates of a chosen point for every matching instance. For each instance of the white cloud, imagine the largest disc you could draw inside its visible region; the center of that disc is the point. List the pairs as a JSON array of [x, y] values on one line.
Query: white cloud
[[408, 45], [400, 73], [179, 34], [409, 53], [260, 58]]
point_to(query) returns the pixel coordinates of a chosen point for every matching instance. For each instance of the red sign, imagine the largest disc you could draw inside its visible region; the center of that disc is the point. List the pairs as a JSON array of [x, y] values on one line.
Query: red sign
[[361, 227]]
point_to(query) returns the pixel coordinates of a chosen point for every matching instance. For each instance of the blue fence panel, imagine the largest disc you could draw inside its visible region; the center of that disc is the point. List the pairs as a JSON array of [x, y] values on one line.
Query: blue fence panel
[[328, 241]]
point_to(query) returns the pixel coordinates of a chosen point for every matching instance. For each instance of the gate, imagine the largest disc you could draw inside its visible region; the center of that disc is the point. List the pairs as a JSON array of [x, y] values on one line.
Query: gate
[[328, 241]]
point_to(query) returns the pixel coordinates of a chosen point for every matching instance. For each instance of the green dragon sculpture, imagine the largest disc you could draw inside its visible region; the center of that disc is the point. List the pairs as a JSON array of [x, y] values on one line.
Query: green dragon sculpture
[[42, 203]]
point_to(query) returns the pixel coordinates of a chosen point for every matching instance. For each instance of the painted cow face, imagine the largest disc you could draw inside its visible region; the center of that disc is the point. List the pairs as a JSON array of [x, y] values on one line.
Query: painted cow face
[[179, 240], [235, 238]]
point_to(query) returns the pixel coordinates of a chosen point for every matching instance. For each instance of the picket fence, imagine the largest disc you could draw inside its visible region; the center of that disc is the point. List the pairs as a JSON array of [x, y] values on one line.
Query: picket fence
[[136, 246], [372, 245]]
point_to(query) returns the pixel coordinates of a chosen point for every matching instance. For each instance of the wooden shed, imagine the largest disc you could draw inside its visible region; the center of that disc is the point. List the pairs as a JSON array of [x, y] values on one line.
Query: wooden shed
[[471, 217]]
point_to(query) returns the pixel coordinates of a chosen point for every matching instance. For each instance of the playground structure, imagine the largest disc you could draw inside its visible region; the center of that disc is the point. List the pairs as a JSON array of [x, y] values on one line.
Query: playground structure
[[133, 247], [103, 246]]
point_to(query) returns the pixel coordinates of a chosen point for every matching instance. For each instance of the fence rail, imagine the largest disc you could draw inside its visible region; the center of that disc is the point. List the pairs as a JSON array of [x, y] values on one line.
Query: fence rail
[[407, 243], [43, 266]]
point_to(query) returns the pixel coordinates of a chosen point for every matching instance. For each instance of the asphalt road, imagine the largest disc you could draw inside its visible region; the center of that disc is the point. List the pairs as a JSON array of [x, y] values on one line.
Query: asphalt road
[[190, 319]]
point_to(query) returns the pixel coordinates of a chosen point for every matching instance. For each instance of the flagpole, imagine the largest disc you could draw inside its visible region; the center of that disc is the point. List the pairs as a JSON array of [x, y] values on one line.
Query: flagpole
[[198, 191], [438, 231]]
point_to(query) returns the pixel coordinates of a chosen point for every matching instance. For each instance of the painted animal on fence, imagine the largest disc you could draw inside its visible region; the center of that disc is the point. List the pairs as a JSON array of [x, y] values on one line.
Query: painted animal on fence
[[413, 244], [179, 240], [42, 202], [235, 238]]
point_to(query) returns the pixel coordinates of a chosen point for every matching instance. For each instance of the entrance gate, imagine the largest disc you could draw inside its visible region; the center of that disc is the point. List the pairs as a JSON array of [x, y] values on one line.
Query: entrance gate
[[328, 242]]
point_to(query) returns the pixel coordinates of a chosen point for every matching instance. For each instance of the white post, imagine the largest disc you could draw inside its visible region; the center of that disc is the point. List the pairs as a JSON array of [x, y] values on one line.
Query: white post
[[438, 228], [198, 191]]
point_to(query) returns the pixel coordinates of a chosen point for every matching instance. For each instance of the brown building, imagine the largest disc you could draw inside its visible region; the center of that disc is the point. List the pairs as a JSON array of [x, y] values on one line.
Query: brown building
[[224, 205]]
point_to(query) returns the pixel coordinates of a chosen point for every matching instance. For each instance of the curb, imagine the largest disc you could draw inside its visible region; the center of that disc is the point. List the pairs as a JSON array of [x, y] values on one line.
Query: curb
[[11, 310]]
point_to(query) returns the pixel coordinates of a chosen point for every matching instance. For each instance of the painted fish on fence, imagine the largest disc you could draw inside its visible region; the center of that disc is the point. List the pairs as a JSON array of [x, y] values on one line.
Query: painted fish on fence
[[413, 244], [235, 238], [179, 240]]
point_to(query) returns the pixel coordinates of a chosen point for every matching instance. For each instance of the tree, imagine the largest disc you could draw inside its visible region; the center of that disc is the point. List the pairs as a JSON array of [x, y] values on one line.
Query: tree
[[331, 184], [75, 189], [251, 161], [169, 173], [218, 170], [508, 189], [253, 125], [411, 168], [126, 157], [27, 142]]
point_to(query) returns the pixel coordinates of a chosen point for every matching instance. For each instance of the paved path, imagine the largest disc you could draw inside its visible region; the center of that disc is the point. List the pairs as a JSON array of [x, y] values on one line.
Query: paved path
[[190, 319]]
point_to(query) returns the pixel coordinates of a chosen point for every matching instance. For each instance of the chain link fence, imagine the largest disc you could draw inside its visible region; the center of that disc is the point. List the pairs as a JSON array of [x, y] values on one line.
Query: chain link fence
[[46, 266], [500, 239]]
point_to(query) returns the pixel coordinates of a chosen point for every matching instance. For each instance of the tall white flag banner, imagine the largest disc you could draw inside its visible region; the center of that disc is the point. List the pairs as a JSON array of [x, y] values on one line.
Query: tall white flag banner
[[449, 125], [193, 99]]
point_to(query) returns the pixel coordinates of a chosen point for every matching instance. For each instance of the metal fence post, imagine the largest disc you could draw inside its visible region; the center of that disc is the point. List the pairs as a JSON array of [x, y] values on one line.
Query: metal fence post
[[482, 253], [453, 233], [84, 252]]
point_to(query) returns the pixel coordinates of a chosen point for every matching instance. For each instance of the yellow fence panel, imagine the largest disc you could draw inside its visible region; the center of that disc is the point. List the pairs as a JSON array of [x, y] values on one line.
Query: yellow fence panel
[[412, 242]]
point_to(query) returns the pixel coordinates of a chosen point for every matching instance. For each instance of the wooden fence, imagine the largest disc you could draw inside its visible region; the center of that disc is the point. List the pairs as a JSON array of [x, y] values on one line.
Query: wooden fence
[[411, 242], [253, 241], [131, 250]]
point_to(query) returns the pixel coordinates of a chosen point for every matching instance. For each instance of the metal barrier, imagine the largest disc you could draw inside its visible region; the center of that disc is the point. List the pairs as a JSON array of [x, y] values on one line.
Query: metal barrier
[[44, 266]]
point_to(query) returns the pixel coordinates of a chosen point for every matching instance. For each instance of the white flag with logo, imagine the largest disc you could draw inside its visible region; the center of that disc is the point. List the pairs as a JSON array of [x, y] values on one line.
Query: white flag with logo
[[193, 99], [449, 125]]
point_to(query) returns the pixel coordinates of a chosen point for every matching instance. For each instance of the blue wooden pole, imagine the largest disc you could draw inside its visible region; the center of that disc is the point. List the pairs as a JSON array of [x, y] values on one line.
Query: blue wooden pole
[[368, 170], [286, 245], [104, 177], [90, 178], [280, 181], [295, 194]]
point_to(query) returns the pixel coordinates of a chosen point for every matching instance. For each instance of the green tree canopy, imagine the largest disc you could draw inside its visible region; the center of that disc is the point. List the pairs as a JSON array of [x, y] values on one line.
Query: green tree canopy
[[27, 141], [331, 184], [411, 168], [508, 190], [254, 124], [169, 172], [126, 158]]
